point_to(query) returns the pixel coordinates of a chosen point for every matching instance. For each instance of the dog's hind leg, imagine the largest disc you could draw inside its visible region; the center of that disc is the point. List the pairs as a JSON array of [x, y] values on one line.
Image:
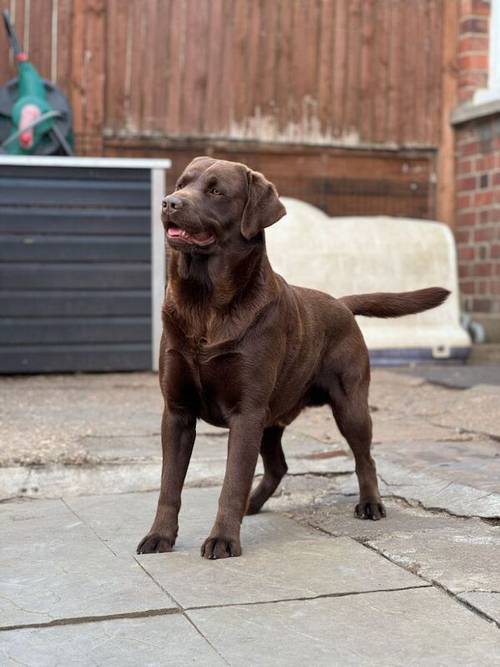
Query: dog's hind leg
[[349, 402], [274, 468]]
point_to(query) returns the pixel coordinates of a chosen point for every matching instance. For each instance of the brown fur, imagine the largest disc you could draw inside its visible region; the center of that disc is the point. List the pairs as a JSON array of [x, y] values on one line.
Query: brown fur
[[243, 349], [386, 304]]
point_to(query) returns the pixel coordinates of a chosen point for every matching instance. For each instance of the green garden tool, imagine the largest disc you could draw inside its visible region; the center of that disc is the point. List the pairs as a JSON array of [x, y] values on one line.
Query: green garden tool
[[35, 117]]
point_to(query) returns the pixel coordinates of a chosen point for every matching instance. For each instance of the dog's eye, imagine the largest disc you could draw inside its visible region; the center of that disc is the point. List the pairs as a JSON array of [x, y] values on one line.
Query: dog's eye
[[179, 185], [214, 191]]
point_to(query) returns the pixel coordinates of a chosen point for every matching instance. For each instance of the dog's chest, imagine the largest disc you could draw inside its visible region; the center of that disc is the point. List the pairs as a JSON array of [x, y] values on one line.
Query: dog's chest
[[205, 384]]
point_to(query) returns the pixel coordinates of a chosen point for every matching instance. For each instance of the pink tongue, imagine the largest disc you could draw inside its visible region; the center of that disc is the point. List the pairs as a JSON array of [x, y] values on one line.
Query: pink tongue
[[176, 231]]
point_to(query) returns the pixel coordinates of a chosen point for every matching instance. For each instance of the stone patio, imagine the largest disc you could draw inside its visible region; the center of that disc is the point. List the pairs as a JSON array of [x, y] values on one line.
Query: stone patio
[[80, 469]]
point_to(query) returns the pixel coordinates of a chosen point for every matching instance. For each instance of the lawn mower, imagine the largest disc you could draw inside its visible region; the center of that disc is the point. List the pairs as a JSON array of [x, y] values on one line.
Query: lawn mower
[[35, 117]]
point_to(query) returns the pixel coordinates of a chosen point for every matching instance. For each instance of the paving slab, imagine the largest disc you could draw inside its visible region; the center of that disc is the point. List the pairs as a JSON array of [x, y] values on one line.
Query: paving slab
[[46, 419], [385, 629], [168, 640], [434, 492], [118, 418], [334, 514], [389, 425], [460, 556], [281, 559], [488, 603], [456, 553], [475, 409], [131, 463], [471, 463], [54, 567], [122, 521], [290, 568], [454, 376], [300, 491]]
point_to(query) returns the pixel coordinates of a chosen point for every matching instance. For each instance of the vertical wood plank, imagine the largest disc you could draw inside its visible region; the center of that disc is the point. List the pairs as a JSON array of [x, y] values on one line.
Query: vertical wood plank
[[243, 53], [149, 80], [340, 55], [353, 98], [298, 71], [368, 68], [325, 65], [282, 73], [138, 37], [7, 69], [118, 57], [194, 81], [64, 38], [211, 122], [176, 64], [381, 58], [88, 74], [160, 46], [40, 36], [445, 195], [420, 55], [395, 70], [435, 18], [265, 92]]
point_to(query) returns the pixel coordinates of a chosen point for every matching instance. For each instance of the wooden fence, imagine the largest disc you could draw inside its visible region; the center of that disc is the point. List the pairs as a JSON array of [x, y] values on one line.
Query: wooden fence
[[154, 76]]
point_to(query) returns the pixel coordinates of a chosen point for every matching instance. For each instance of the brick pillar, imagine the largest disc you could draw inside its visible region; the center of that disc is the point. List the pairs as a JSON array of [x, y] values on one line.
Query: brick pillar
[[477, 135], [472, 47], [477, 230]]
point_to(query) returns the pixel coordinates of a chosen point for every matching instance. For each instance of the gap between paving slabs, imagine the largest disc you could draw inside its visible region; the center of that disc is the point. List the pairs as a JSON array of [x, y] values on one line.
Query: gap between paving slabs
[[458, 555], [134, 473], [251, 524], [350, 562], [396, 478], [181, 576]]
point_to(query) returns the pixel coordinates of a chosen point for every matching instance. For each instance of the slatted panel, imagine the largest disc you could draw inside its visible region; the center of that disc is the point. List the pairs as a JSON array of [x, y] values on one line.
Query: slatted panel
[[75, 269], [56, 330], [68, 358], [340, 182], [75, 303], [31, 276], [281, 70], [301, 71]]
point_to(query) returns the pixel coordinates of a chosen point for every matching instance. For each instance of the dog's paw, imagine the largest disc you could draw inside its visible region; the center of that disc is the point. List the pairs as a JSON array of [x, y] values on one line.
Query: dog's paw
[[370, 509], [155, 543], [220, 547]]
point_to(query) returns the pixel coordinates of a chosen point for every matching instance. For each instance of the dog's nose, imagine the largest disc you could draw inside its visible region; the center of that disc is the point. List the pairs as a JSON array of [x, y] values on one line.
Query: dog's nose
[[172, 203]]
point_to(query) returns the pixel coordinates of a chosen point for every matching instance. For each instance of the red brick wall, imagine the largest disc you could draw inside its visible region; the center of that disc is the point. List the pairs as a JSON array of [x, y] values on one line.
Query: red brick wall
[[477, 228], [472, 47], [477, 220]]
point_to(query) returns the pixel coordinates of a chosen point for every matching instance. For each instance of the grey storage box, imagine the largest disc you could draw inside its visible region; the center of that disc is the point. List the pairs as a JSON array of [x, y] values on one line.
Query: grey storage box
[[82, 263]]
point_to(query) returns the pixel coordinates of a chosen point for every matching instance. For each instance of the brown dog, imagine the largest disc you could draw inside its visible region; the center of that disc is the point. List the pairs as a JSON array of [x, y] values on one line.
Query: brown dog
[[243, 349]]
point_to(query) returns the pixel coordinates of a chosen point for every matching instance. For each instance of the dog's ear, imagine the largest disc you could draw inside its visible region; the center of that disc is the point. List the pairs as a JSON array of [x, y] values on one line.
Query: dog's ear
[[263, 207]]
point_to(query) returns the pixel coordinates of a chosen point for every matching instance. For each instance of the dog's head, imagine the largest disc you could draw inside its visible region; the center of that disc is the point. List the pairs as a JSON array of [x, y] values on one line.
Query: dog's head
[[217, 203]]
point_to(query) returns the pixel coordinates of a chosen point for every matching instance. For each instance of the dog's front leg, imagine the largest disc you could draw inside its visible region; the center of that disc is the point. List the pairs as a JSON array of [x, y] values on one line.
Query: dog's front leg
[[178, 430], [245, 436]]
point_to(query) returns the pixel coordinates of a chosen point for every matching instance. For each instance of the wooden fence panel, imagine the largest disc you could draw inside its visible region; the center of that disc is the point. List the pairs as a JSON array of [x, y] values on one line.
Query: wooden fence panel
[[355, 72], [146, 77]]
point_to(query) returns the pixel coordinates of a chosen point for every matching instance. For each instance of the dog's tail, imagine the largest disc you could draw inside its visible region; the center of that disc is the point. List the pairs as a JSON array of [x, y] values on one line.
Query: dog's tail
[[395, 304]]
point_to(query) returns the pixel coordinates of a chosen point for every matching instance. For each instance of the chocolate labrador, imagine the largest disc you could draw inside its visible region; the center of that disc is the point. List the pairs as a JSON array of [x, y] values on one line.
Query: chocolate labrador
[[244, 350]]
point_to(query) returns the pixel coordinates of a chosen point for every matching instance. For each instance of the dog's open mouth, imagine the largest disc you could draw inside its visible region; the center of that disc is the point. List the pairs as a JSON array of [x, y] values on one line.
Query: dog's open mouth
[[201, 239]]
